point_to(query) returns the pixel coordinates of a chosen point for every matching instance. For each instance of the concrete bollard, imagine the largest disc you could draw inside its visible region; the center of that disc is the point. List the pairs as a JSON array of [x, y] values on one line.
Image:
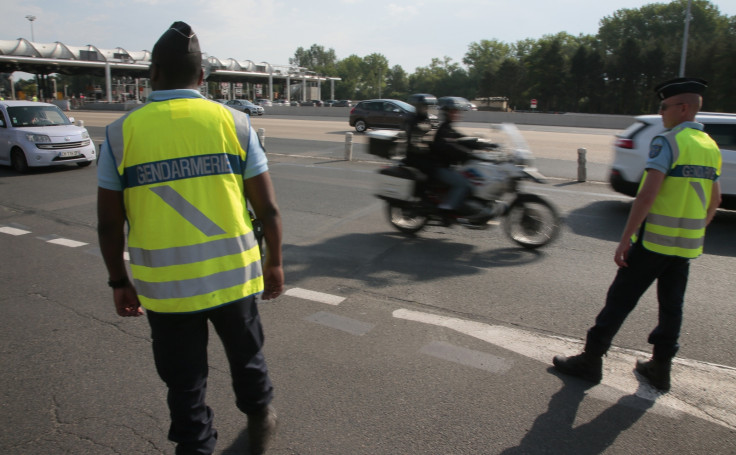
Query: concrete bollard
[[582, 172], [262, 136], [348, 146], [81, 123]]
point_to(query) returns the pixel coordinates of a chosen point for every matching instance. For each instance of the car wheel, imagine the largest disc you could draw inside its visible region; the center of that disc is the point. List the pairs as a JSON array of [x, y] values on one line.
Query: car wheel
[[18, 161], [84, 163], [360, 126]]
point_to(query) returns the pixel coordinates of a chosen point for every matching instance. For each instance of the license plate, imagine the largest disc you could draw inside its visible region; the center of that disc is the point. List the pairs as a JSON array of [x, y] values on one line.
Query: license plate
[[68, 153]]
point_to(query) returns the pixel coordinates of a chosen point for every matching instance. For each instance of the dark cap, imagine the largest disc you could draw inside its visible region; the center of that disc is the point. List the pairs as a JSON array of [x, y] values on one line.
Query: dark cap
[[679, 86], [176, 42]]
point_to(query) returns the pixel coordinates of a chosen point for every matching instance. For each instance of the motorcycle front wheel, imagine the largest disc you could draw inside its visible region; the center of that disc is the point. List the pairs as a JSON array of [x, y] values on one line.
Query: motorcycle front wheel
[[406, 219], [531, 221]]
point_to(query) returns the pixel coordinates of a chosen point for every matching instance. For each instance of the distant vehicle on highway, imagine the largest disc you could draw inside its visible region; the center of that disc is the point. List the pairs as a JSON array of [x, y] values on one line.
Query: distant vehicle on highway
[[281, 102], [36, 134], [245, 106], [383, 113], [343, 103], [631, 150], [263, 102], [312, 103]]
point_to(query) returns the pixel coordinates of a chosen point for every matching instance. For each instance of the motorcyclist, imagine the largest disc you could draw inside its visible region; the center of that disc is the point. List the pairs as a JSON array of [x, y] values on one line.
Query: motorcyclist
[[417, 127], [446, 151]]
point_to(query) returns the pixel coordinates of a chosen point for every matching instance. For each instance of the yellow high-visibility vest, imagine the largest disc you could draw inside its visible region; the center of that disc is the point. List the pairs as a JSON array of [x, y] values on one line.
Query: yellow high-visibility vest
[[675, 225], [190, 239]]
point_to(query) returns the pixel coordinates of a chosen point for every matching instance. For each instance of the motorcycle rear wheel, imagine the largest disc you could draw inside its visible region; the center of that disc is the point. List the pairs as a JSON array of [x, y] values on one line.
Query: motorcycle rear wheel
[[531, 221], [408, 220]]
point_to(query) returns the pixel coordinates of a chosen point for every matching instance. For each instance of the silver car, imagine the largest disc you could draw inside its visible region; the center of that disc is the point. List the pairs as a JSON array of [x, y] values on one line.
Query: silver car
[[245, 106], [39, 134]]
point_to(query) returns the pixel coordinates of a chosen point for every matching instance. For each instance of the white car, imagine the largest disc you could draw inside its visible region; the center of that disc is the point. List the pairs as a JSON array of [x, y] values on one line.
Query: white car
[[631, 150], [36, 134]]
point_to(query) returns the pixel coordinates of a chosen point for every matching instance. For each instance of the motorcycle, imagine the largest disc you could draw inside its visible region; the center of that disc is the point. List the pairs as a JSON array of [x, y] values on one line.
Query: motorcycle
[[495, 172]]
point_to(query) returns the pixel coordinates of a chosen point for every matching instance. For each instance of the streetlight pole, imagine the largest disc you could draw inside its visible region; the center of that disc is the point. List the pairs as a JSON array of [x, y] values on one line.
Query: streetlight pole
[[683, 56], [31, 19]]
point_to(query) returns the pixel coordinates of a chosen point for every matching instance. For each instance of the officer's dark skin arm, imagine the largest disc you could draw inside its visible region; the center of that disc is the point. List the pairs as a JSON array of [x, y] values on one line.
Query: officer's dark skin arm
[[259, 191], [111, 235]]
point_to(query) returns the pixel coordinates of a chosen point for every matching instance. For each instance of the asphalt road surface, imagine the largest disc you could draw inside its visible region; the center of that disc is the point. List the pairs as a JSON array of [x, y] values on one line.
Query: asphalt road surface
[[383, 344]]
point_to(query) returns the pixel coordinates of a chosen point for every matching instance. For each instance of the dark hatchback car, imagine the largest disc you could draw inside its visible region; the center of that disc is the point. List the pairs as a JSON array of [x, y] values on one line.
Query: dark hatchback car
[[380, 114]]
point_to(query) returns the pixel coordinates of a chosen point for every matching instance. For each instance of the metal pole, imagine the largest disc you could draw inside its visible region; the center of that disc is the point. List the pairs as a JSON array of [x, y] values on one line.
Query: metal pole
[[683, 56], [31, 19]]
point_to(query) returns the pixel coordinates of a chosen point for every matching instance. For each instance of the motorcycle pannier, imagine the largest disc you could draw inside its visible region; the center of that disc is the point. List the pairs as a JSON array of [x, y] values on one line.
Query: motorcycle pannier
[[383, 144], [397, 182]]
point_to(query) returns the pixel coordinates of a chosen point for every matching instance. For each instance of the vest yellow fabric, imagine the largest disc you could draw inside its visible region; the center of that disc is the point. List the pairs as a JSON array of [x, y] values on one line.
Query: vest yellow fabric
[[676, 222], [190, 238]]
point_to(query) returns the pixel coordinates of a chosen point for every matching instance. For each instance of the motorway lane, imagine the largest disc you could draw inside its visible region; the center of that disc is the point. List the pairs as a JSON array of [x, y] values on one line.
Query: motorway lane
[[555, 148], [364, 376], [448, 391]]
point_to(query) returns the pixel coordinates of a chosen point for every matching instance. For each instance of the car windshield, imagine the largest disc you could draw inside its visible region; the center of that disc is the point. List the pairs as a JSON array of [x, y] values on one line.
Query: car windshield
[[405, 106], [37, 116]]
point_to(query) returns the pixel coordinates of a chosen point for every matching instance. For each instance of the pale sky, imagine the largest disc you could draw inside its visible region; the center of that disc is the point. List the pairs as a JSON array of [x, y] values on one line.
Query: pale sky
[[408, 32]]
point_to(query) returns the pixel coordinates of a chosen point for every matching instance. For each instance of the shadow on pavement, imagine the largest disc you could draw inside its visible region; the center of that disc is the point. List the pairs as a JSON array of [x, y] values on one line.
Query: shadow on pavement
[[605, 220], [554, 431]]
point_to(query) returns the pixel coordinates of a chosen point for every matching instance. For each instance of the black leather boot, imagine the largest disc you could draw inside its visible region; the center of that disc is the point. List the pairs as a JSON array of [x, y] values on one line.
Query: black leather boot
[[657, 372], [261, 429], [585, 366]]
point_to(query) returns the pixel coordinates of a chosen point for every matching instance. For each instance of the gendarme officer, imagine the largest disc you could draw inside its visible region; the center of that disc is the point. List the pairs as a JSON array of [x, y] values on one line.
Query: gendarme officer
[[678, 196], [178, 171]]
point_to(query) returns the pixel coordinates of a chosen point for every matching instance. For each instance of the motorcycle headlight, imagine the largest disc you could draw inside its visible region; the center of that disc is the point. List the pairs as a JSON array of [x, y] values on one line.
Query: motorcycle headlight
[[37, 138]]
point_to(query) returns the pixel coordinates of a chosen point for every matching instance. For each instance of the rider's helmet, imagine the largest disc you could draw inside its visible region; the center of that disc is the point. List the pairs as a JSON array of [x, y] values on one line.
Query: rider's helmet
[[453, 103], [422, 99]]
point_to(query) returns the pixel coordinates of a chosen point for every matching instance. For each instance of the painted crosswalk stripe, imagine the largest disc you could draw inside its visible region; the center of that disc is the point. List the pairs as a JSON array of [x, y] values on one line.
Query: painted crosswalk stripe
[[701, 389], [13, 231], [315, 296]]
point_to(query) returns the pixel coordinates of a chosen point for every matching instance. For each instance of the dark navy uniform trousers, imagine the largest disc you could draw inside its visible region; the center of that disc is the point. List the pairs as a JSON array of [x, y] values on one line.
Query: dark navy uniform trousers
[[180, 354], [644, 267]]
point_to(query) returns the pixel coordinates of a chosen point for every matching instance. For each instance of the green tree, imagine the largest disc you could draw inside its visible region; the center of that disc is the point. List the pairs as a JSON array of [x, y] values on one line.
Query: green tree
[[375, 72], [316, 59], [350, 72], [397, 83]]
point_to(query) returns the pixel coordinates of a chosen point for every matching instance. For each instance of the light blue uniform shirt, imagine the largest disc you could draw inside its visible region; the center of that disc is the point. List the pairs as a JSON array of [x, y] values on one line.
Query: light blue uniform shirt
[[108, 178], [660, 152]]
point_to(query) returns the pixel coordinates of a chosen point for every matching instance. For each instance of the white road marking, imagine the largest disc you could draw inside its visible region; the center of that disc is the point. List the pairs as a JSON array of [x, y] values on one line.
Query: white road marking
[[315, 296], [352, 326], [13, 231], [468, 357], [704, 390], [66, 242]]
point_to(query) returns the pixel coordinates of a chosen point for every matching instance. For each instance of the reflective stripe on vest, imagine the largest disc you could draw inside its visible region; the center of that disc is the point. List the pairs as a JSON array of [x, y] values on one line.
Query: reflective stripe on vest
[[676, 222], [190, 240]]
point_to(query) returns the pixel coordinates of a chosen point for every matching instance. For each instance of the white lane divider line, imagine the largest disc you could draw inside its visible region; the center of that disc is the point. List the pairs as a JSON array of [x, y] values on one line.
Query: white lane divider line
[[66, 242], [704, 390], [315, 296], [13, 231]]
